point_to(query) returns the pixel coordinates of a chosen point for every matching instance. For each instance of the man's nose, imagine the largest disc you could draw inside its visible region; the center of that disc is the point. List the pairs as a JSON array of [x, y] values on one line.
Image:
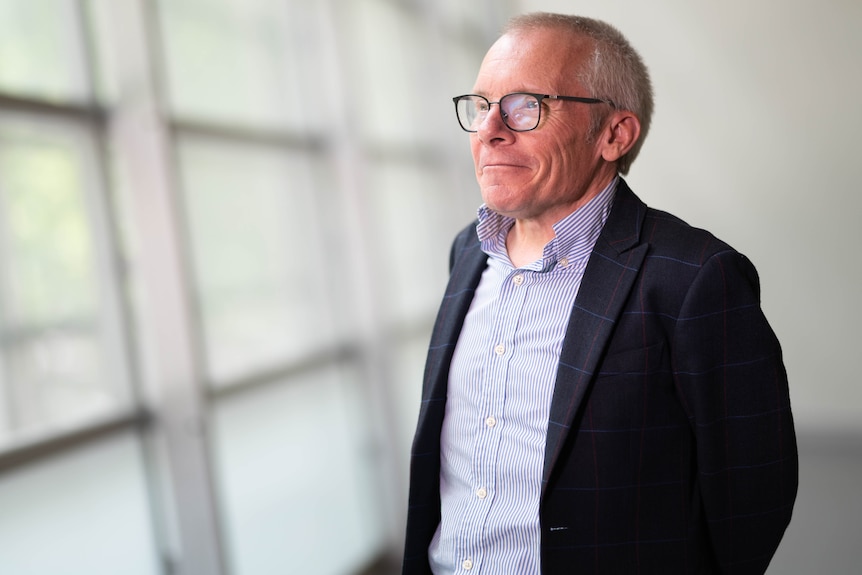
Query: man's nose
[[492, 125]]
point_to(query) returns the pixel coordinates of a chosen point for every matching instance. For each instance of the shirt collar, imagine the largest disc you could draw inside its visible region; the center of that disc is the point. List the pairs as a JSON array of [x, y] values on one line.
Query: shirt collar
[[574, 239]]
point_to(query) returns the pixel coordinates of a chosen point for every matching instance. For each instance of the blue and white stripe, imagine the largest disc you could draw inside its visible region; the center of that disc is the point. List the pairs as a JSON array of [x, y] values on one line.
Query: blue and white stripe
[[500, 388]]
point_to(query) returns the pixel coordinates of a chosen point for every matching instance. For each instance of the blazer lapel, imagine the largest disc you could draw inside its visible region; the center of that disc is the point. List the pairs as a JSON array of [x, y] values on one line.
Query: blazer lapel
[[608, 279]]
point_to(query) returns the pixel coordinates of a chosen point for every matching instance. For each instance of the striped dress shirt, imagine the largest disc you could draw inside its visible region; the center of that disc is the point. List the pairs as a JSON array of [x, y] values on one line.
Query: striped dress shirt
[[499, 396]]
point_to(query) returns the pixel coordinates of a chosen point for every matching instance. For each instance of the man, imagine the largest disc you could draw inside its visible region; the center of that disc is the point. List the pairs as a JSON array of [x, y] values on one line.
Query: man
[[602, 392]]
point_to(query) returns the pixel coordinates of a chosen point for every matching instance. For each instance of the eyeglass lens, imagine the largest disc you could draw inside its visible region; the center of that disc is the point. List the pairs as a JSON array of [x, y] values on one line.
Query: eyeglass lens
[[520, 112]]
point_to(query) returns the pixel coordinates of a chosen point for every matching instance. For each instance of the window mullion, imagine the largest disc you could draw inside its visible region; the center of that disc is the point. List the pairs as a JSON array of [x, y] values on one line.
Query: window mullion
[[139, 135]]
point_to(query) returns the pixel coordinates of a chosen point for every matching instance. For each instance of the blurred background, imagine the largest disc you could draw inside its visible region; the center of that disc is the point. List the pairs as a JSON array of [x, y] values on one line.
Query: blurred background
[[224, 232]]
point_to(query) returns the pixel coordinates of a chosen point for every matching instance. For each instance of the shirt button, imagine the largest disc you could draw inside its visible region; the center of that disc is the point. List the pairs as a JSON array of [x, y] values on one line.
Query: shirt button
[[490, 421], [518, 279], [481, 493], [564, 262], [500, 349], [467, 564]]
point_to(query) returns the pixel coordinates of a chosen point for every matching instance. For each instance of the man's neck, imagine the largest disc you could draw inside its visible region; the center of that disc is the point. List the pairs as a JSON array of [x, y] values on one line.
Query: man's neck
[[526, 242]]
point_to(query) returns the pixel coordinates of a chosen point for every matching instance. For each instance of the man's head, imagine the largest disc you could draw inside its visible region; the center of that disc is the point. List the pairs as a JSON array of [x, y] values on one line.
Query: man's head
[[613, 71], [577, 147]]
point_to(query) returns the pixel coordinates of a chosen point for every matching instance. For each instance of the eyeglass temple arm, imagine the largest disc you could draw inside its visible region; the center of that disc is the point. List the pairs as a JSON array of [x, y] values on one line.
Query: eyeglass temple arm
[[582, 100]]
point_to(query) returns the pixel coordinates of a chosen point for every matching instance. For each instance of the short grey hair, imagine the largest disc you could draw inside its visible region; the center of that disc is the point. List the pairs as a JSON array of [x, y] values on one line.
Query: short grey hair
[[615, 71]]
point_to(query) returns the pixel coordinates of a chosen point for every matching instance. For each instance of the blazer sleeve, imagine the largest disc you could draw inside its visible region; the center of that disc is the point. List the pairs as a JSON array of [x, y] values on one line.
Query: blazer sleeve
[[729, 372]]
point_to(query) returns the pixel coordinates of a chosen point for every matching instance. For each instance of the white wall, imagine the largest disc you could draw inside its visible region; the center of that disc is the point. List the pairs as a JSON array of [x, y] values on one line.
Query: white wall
[[755, 138]]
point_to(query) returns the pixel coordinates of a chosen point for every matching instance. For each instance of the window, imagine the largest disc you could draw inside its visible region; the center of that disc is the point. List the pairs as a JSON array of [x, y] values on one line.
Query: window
[[62, 357], [224, 228]]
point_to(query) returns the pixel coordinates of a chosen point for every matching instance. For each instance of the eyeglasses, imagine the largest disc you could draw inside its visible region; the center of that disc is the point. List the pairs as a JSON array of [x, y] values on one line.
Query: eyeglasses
[[521, 111]]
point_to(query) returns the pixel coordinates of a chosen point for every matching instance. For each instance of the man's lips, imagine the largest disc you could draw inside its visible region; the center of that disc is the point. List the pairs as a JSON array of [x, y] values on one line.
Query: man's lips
[[492, 165]]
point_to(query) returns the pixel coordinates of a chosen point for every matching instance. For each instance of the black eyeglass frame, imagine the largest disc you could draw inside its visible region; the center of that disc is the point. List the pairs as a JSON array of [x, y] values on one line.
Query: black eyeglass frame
[[538, 97]]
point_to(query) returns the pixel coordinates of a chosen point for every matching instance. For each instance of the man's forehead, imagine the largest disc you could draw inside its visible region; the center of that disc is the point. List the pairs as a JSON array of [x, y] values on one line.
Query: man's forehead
[[535, 59]]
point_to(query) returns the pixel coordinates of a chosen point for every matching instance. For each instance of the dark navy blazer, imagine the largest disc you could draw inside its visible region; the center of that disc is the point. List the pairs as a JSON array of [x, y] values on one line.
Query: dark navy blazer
[[670, 445]]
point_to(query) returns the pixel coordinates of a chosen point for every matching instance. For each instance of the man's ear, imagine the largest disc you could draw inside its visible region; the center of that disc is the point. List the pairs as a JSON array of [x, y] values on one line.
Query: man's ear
[[619, 135]]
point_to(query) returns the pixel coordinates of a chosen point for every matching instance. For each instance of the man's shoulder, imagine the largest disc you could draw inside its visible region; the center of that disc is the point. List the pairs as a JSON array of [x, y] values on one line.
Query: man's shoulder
[[668, 235], [671, 236]]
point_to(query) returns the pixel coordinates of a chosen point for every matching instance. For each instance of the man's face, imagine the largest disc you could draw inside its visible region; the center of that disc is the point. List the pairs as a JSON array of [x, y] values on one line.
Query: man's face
[[544, 174]]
